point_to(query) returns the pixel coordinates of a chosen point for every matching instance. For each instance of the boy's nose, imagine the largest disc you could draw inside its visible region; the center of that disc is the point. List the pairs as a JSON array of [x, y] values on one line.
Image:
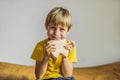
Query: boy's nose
[[57, 32]]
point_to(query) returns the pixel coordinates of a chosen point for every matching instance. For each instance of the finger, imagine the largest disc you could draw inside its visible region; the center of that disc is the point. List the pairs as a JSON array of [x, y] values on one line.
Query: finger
[[50, 46], [72, 43], [49, 43], [50, 50], [68, 47]]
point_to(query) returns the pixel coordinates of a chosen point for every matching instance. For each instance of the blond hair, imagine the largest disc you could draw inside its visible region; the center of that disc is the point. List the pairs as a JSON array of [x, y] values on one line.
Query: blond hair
[[58, 16]]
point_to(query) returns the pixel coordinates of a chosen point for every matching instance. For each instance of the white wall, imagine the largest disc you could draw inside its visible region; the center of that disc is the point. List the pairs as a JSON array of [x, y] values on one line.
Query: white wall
[[96, 29]]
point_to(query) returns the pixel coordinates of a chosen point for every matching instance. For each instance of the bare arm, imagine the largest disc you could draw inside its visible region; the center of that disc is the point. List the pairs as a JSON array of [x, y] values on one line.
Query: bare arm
[[41, 67], [67, 67]]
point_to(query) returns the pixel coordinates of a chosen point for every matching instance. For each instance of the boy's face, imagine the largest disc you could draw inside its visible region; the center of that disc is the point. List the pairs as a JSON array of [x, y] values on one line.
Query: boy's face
[[56, 32]]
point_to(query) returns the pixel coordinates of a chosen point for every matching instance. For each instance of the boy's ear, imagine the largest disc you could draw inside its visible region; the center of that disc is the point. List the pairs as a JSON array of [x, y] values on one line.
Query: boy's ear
[[68, 31], [45, 27]]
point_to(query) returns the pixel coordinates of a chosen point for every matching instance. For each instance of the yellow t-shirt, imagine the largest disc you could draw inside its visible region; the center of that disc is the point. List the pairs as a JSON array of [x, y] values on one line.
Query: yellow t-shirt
[[53, 69]]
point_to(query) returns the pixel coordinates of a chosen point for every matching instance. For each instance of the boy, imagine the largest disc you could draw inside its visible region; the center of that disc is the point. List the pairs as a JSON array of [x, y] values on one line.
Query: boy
[[58, 24]]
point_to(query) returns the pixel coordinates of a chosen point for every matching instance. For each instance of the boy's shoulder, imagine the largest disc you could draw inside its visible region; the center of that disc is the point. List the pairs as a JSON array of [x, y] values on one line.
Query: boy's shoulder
[[42, 42]]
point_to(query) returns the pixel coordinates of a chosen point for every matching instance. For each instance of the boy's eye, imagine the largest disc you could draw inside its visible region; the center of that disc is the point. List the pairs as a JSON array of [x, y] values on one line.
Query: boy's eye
[[52, 27], [62, 29]]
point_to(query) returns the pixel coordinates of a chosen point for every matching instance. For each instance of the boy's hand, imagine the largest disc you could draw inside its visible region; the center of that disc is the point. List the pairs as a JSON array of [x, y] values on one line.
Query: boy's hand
[[50, 47], [70, 46]]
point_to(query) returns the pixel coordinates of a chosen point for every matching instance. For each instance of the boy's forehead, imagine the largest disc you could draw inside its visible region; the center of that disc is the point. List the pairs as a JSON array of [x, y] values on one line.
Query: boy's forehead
[[54, 24]]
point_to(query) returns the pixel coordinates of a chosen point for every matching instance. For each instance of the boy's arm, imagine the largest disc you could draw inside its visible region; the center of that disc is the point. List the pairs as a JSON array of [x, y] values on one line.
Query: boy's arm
[[40, 68], [67, 67]]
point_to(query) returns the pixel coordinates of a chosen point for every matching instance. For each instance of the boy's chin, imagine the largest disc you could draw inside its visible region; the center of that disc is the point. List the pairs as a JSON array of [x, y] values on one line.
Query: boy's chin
[[55, 39]]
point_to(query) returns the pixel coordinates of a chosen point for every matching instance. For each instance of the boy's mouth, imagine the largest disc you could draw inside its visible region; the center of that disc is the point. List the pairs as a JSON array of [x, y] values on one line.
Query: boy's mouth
[[56, 38]]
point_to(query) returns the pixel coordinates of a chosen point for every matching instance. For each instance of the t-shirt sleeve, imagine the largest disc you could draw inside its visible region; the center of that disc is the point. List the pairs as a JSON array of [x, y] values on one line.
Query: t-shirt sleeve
[[38, 53], [72, 55]]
